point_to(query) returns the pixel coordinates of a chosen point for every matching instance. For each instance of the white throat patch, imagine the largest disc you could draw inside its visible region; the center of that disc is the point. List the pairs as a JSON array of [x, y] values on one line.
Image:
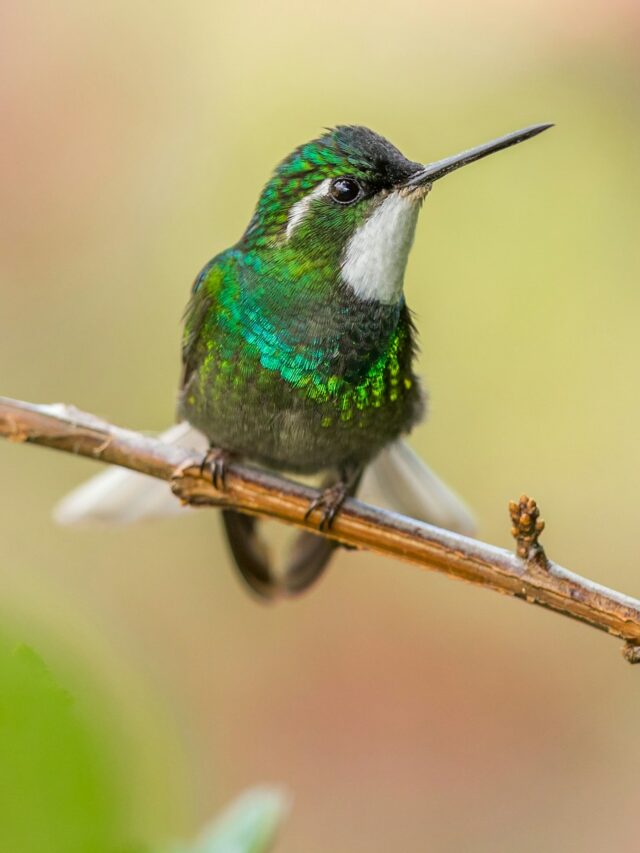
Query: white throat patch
[[376, 256]]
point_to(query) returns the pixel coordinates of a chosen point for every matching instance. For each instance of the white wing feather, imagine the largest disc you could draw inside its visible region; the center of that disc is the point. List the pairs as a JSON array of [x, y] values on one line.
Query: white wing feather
[[399, 480], [118, 496]]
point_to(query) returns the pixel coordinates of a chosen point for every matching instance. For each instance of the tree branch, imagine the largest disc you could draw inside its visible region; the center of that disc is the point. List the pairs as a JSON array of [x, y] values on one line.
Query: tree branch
[[529, 576]]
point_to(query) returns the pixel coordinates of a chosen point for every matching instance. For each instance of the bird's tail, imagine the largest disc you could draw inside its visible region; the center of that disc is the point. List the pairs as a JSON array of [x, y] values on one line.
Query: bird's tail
[[307, 557], [398, 479]]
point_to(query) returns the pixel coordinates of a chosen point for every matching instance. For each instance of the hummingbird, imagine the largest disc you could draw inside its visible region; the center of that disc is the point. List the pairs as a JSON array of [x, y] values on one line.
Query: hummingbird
[[299, 349]]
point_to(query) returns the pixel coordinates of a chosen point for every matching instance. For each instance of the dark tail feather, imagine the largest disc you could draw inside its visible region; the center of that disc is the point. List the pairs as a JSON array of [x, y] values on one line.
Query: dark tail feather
[[249, 553], [307, 560]]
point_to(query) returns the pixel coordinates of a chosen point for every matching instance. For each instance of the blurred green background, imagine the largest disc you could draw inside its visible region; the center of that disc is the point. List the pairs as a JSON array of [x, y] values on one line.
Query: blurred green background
[[402, 710]]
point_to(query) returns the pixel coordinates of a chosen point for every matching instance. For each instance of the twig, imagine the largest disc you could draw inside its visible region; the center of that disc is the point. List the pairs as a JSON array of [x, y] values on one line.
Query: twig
[[531, 576]]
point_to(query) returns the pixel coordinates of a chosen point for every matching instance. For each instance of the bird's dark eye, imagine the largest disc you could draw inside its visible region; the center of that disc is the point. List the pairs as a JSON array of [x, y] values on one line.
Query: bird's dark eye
[[345, 190]]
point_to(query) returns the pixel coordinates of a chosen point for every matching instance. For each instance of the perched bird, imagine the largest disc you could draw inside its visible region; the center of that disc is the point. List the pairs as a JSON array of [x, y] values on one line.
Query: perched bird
[[298, 350]]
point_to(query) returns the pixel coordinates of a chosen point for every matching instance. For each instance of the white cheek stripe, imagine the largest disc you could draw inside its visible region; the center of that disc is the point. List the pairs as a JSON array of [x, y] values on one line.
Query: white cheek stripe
[[300, 209], [376, 256]]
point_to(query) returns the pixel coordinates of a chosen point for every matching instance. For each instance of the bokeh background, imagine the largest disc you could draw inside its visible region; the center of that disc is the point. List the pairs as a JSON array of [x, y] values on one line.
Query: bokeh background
[[403, 711]]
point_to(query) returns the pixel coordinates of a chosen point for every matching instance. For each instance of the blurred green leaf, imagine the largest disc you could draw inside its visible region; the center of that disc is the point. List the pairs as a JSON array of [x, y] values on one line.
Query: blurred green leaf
[[55, 792], [248, 825]]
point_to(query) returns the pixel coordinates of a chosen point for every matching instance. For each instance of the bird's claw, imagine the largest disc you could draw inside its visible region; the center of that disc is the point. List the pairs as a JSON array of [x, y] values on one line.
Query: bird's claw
[[329, 501], [215, 464]]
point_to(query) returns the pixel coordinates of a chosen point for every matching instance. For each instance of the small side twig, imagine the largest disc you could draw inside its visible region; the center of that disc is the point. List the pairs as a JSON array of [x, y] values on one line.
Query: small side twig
[[358, 525]]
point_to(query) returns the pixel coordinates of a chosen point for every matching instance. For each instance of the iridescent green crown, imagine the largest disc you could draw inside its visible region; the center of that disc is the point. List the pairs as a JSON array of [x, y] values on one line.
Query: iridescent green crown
[[344, 150]]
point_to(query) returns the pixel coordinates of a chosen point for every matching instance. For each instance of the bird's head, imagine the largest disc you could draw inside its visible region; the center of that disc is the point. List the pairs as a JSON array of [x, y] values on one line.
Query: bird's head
[[351, 198]]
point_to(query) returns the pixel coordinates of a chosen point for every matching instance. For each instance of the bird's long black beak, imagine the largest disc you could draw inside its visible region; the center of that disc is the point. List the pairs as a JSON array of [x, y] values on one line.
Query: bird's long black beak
[[434, 171]]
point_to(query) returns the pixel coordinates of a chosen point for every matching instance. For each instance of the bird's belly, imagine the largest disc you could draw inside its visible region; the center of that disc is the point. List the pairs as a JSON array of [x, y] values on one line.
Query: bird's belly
[[258, 415]]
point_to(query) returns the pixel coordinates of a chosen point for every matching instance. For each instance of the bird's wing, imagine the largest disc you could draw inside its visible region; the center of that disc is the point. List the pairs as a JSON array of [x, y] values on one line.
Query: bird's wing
[[400, 480], [203, 301], [118, 496]]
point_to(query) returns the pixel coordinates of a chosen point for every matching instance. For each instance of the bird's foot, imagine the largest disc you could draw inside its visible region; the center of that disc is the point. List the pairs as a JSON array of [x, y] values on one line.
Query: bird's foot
[[215, 464], [329, 502]]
